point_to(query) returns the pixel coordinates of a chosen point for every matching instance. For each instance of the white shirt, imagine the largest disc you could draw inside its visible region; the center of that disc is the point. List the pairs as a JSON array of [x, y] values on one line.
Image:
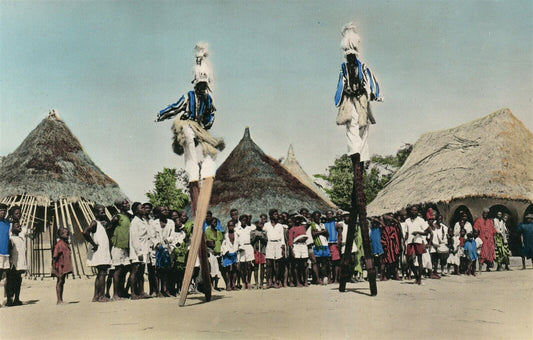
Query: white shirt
[[244, 234], [18, 252], [275, 233], [139, 238], [413, 225], [227, 246], [500, 227], [457, 228], [163, 236]]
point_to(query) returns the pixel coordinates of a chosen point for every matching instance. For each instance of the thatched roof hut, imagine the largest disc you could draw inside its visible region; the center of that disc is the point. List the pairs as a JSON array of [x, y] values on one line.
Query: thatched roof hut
[[484, 163], [253, 182], [292, 164], [56, 183]]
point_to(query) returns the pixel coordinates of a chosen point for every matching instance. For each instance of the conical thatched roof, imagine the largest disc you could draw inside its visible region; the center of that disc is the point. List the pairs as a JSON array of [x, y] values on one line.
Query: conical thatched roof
[[253, 182], [292, 164], [51, 163], [491, 157]]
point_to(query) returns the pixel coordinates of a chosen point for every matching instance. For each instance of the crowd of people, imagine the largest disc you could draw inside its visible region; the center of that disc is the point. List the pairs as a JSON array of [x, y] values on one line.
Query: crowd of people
[[283, 249]]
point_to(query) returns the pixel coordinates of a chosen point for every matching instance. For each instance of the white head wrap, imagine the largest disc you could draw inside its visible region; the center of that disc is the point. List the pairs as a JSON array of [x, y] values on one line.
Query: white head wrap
[[350, 39]]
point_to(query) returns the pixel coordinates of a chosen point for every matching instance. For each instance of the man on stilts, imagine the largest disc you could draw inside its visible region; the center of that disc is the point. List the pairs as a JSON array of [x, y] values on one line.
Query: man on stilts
[[357, 86], [199, 147]]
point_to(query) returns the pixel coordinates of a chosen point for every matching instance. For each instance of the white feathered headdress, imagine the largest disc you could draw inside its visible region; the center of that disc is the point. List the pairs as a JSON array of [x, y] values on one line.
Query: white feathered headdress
[[350, 39], [202, 71]]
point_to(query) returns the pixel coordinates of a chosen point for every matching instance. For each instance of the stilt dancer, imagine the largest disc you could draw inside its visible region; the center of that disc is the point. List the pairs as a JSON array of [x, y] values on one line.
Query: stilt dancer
[[357, 86], [192, 139]]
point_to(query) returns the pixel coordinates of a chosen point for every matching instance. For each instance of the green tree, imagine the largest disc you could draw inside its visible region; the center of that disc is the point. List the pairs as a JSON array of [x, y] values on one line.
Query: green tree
[[166, 191], [378, 173]]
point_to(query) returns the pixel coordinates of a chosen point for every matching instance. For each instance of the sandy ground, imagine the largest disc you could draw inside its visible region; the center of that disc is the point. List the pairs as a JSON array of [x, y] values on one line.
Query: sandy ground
[[495, 305]]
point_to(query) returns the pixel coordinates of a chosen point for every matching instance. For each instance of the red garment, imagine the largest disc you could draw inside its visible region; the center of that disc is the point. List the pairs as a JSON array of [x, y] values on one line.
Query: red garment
[[486, 234], [390, 239], [295, 232], [334, 252], [62, 255]]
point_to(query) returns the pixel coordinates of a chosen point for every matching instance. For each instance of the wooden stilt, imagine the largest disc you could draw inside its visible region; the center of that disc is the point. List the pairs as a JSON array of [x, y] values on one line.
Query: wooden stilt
[[358, 212], [194, 189], [196, 239]]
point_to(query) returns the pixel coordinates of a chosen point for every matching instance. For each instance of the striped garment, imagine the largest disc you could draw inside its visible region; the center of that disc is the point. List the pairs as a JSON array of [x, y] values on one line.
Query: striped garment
[[365, 77]]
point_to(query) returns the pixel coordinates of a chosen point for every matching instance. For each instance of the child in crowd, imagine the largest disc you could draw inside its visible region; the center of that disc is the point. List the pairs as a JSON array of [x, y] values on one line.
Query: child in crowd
[[213, 241], [453, 258], [229, 249], [61, 265], [462, 256], [298, 249], [17, 251], [471, 254], [479, 244], [178, 256], [377, 248], [259, 240]]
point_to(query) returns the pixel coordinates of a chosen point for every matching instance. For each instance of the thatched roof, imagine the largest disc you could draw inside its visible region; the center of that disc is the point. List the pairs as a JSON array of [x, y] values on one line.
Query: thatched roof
[[292, 164], [51, 163], [490, 157], [253, 182]]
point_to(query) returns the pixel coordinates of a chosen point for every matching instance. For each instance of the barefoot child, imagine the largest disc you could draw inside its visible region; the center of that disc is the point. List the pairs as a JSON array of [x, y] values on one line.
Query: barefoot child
[[471, 254], [229, 250], [17, 249], [61, 262], [259, 241]]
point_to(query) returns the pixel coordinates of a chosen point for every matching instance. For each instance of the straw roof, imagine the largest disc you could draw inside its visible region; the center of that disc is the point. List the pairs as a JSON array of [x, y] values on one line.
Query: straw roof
[[292, 164], [253, 182], [51, 164], [490, 157]]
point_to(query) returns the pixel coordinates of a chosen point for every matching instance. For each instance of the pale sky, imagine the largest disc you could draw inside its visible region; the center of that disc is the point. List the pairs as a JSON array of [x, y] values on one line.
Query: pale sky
[[108, 66]]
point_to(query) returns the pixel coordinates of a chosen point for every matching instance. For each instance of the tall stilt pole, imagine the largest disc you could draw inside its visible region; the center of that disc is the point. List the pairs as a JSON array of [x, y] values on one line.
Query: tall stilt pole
[[194, 189], [363, 222], [196, 239], [358, 212]]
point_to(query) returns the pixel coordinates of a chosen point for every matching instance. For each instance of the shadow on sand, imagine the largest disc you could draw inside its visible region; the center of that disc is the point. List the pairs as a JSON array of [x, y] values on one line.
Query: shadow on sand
[[201, 299]]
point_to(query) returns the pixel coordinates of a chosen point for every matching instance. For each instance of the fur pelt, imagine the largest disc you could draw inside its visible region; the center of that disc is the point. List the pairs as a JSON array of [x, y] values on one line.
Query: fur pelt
[[211, 145]]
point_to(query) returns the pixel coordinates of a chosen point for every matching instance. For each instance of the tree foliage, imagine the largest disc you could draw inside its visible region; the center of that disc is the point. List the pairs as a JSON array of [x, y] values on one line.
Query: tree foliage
[[378, 172], [166, 191]]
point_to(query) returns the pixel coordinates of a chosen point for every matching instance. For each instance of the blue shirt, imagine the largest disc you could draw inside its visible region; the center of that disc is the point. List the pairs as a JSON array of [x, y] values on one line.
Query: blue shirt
[[5, 226], [332, 231], [471, 249], [219, 226], [375, 241]]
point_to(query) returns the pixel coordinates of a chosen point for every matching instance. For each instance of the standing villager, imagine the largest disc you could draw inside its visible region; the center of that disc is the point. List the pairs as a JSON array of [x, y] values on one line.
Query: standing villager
[[390, 239], [98, 254], [120, 243], [320, 235], [501, 245], [61, 265], [19, 265], [357, 87], [5, 227], [486, 229], [213, 239], [298, 247], [259, 240], [245, 257], [275, 249], [139, 250], [525, 229], [416, 229]]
